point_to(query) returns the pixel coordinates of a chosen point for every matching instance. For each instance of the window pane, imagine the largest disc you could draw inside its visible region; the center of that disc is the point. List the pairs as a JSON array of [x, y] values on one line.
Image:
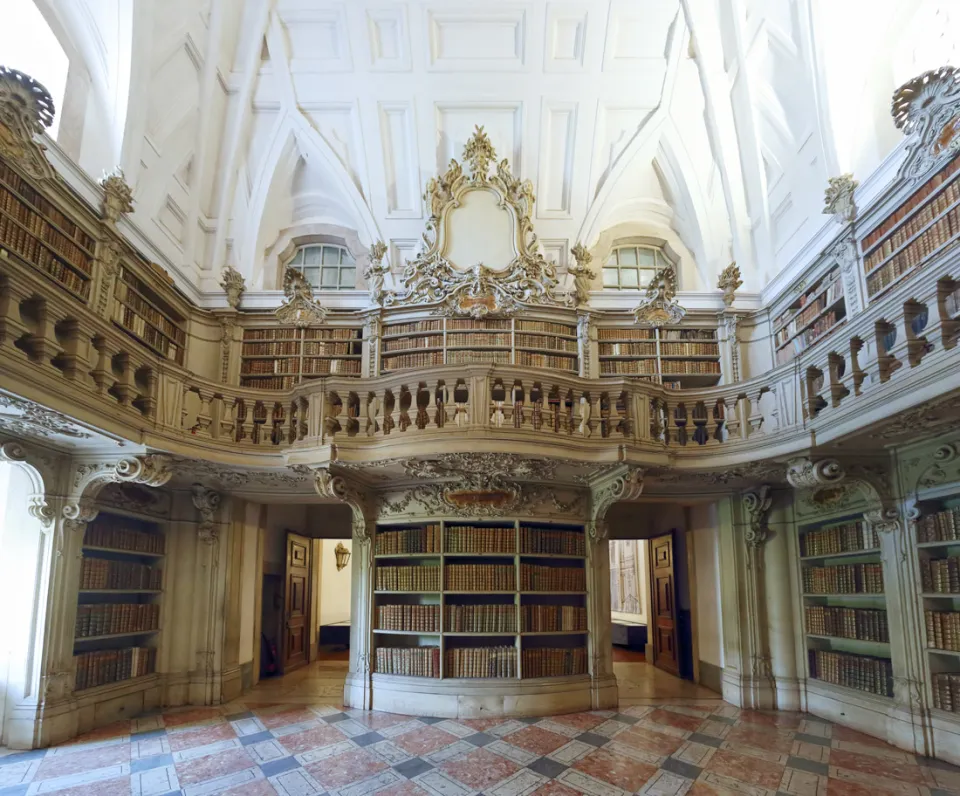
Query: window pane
[[348, 277], [628, 255], [645, 276], [345, 257], [613, 258], [297, 258], [629, 278], [647, 257], [611, 277], [311, 255], [312, 275], [331, 255], [329, 277]]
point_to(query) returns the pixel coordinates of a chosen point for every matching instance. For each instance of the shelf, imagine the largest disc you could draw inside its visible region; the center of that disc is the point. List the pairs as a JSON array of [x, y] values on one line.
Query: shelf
[[848, 688], [941, 595], [853, 640], [953, 543], [60, 256], [553, 592], [123, 552], [871, 551], [120, 591], [480, 555], [935, 651], [812, 321], [781, 326], [408, 632], [855, 595], [916, 235], [553, 555], [554, 633], [463, 591], [912, 268], [379, 591], [407, 555], [85, 639], [500, 634], [53, 224]]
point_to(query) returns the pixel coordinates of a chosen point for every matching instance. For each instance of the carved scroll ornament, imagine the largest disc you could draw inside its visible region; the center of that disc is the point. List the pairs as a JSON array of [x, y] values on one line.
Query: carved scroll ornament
[[927, 110], [300, 309], [660, 307], [478, 289]]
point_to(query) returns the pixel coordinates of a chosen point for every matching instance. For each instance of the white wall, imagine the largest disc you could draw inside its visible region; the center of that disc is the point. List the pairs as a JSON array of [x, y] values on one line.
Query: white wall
[[642, 579], [334, 586], [704, 524], [249, 579]]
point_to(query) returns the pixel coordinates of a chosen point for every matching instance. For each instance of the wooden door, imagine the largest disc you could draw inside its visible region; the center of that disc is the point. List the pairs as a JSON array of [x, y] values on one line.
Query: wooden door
[[296, 609], [664, 608]]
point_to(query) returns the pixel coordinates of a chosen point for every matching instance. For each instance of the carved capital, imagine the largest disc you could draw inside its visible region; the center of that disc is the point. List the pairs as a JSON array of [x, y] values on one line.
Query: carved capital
[[805, 474], [757, 505], [884, 520], [207, 502], [336, 487]]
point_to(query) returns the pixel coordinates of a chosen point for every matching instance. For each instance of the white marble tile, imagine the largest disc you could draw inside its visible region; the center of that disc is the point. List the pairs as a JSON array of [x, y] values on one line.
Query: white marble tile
[[296, 783], [149, 747], [73, 780], [641, 756], [559, 729], [582, 783], [300, 726], [715, 728], [377, 782], [511, 752], [234, 780], [399, 729], [664, 783], [571, 752], [349, 727], [389, 752], [814, 727], [610, 728], [265, 751], [728, 784], [509, 726], [811, 751], [522, 783], [802, 783], [449, 752], [322, 754], [696, 754], [440, 784], [209, 749], [454, 728], [19, 773], [73, 748], [154, 782], [249, 726]]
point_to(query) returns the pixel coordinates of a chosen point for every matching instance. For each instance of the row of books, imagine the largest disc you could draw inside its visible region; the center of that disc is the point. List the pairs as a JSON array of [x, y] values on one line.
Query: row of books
[[113, 666], [153, 337], [940, 575], [422, 359], [99, 573], [114, 531], [466, 324], [845, 538], [944, 526], [269, 382], [105, 619], [952, 304], [128, 295], [412, 328], [259, 367], [539, 578], [409, 661], [468, 357], [794, 319], [416, 578], [946, 691], [480, 619], [483, 662], [694, 368], [628, 349], [275, 333], [811, 334], [423, 618], [912, 216], [943, 630], [502, 339], [16, 240], [470, 539], [689, 349], [546, 327], [547, 618], [40, 228], [555, 361], [549, 542], [621, 367], [862, 672], [844, 579], [554, 662], [408, 540], [865, 624], [293, 333], [914, 253], [323, 348], [407, 343], [339, 367], [688, 334], [629, 335], [480, 577], [41, 204], [543, 341]]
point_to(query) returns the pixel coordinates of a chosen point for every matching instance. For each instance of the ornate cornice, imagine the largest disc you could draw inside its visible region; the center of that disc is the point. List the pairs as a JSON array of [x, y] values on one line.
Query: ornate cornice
[[300, 309], [336, 487], [660, 307], [28, 419], [26, 110], [927, 110], [622, 483]]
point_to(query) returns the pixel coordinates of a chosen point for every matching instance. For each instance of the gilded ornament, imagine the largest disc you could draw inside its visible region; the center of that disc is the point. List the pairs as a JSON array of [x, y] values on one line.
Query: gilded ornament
[[26, 110], [838, 200], [233, 284], [729, 282], [300, 309], [927, 110], [660, 307]]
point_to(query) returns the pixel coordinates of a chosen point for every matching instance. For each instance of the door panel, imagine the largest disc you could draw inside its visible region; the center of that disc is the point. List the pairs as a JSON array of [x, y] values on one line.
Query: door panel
[[296, 636], [664, 604]]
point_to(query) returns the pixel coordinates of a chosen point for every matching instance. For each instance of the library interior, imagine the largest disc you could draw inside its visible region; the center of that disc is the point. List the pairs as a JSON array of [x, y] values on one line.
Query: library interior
[[449, 398]]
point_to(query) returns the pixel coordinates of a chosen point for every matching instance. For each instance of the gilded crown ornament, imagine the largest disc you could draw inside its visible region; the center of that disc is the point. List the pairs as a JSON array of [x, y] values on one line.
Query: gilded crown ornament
[[117, 196], [300, 309], [838, 198], [927, 110], [583, 275], [729, 282], [26, 110], [660, 307]]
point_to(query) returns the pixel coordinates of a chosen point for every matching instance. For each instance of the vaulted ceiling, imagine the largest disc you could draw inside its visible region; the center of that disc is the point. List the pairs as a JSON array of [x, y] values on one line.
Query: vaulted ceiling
[[250, 122]]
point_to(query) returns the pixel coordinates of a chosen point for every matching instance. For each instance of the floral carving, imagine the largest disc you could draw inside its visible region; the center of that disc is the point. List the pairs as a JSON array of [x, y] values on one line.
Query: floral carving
[[660, 307], [583, 275], [299, 309], [233, 284], [838, 198], [927, 110], [729, 282], [478, 290], [28, 419], [117, 197], [26, 110], [481, 466]]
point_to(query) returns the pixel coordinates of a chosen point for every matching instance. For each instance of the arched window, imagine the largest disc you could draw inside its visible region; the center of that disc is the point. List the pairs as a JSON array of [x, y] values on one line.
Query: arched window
[[632, 267], [326, 266]]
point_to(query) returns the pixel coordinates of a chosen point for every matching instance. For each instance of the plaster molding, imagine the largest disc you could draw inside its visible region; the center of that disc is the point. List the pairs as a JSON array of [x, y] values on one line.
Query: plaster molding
[[29, 419], [805, 474], [838, 198], [376, 272], [729, 282], [117, 197], [582, 274], [335, 486]]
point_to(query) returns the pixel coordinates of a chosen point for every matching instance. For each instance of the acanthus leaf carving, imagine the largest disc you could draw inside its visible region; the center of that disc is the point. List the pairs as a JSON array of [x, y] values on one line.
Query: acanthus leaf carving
[[838, 199], [336, 487], [26, 109], [805, 474], [234, 285], [207, 502], [28, 419], [300, 309], [729, 282]]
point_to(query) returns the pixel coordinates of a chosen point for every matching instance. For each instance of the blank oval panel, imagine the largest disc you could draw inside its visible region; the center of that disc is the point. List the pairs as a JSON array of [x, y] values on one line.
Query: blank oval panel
[[479, 231]]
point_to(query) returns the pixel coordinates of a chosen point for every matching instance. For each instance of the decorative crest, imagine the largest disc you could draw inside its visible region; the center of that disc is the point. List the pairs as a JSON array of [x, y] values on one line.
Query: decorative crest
[[927, 110], [375, 272], [26, 110], [729, 282], [479, 289], [300, 309], [660, 307], [117, 196], [583, 275], [231, 280], [838, 198]]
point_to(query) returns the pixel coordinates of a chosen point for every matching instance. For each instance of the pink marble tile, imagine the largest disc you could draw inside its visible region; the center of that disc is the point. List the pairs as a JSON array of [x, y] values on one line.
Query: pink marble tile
[[554, 788], [623, 772], [877, 766], [84, 760], [671, 719], [853, 736], [104, 787], [282, 718], [339, 770], [744, 768], [847, 787], [648, 740], [377, 720], [201, 736], [260, 787], [762, 738], [536, 740], [403, 789], [481, 725], [201, 769], [579, 721], [480, 769], [424, 741], [192, 716], [788, 721], [315, 738]]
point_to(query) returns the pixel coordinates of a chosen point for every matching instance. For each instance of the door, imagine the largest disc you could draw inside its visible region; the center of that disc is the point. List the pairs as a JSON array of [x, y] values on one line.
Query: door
[[664, 608], [296, 610]]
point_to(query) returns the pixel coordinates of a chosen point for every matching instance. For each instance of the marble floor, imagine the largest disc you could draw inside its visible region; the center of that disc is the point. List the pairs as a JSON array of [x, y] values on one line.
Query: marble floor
[[291, 737]]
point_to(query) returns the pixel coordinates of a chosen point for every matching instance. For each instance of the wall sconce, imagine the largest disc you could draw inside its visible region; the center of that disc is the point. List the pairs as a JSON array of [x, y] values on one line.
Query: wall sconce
[[342, 554]]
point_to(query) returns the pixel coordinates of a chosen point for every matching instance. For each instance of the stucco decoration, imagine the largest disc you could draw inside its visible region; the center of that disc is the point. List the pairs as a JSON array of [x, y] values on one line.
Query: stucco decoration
[[805, 474], [583, 274], [376, 271], [479, 289], [757, 506], [660, 307], [838, 198], [481, 465], [28, 419], [207, 502], [233, 284], [117, 197], [26, 110], [729, 282], [299, 309], [927, 110]]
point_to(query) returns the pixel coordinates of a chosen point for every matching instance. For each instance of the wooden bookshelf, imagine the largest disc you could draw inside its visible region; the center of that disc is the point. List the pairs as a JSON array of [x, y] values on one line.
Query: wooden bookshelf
[[810, 317], [144, 315], [926, 224], [532, 343], [512, 604], [676, 357], [118, 601], [278, 357], [844, 606], [36, 232]]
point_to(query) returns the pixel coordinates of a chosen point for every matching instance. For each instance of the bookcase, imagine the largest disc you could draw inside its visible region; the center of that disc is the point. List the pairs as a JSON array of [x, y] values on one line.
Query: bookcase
[[923, 226], [35, 231], [676, 357], [142, 313], [459, 599], [844, 606], [532, 343], [810, 317], [938, 553], [118, 601], [278, 357]]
